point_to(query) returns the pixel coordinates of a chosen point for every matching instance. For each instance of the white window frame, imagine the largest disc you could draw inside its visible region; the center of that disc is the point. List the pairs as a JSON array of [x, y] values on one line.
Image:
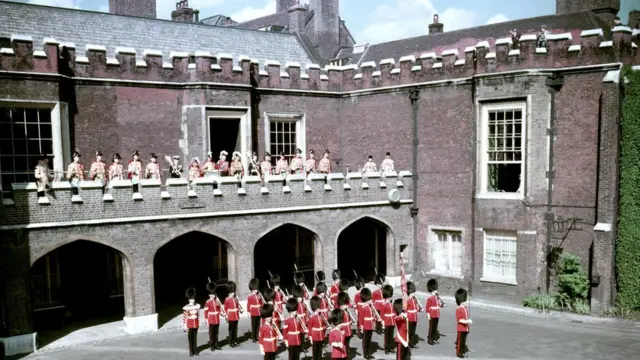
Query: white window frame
[[433, 239], [491, 277], [61, 143], [484, 147], [301, 131]]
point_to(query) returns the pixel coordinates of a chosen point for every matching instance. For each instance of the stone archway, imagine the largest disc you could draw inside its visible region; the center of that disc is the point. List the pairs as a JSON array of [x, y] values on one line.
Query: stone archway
[[278, 249], [364, 246], [77, 285]]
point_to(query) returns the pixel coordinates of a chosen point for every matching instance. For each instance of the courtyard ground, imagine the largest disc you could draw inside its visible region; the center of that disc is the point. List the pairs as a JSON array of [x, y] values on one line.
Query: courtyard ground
[[498, 332]]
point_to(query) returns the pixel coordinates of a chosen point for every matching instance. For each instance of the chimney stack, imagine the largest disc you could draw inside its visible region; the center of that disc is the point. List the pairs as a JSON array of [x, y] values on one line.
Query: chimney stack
[[634, 19], [435, 27], [183, 13]]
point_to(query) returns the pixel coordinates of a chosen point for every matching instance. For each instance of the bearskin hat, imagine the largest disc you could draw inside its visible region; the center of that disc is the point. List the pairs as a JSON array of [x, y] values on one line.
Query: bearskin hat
[[275, 280], [320, 275], [254, 284], [365, 294], [116, 156], [76, 154], [344, 285], [135, 153], [269, 295], [388, 154], [379, 280], [398, 306], [327, 151], [321, 288], [336, 317], [411, 287], [335, 274], [311, 152], [212, 287], [343, 298], [298, 151], [298, 277], [432, 285], [190, 293], [153, 156], [387, 291], [231, 287], [98, 153], [370, 157], [461, 296], [314, 303], [266, 311], [281, 153], [297, 291], [359, 283], [292, 305]]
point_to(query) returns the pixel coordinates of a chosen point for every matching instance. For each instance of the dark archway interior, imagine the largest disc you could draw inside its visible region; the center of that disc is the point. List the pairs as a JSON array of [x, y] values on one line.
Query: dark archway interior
[[279, 250], [188, 261], [362, 247], [78, 285]]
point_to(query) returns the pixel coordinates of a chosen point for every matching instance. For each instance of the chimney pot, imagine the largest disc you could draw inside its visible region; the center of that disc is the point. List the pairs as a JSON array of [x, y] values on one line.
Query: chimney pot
[[436, 27]]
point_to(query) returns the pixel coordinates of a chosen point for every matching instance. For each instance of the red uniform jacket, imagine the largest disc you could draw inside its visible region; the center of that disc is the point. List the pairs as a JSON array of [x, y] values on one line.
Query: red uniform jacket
[[338, 346], [433, 306], [212, 311], [388, 314], [412, 309], [305, 292], [324, 307], [267, 338], [366, 319], [190, 316], [232, 309], [278, 300], [302, 310], [346, 320], [291, 331], [254, 302], [462, 314], [402, 329], [334, 290], [376, 296], [316, 327], [359, 304]]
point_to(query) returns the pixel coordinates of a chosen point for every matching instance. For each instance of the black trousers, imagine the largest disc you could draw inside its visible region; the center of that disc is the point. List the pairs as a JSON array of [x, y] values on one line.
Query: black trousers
[[403, 352], [255, 327], [388, 337], [192, 337], [366, 341], [213, 335], [434, 335], [233, 332], [270, 356], [316, 350], [294, 352], [461, 344], [413, 339], [347, 340]]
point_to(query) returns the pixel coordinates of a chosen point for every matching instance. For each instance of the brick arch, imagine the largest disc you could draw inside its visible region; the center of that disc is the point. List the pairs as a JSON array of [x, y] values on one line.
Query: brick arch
[[176, 234], [377, 219], [39, 254], [294, 223]]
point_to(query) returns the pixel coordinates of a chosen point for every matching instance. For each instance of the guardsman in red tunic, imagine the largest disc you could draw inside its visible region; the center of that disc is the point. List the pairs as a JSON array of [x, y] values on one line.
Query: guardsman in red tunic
[[357, 299], [209, 165], [75, 172], [282, 166], [344, 288], [297, 163], [98, 170], [190, 321], [269, 335], [212, 310], [337, 339], [402, 333], [152, 170], [116, 171], [413, 307], [310, 165], [222, 165], [134, 170], [377, 297], [463, 322], [343, 304], [269, 296], [233, 309], [298, 277], [254, 303], [279, 296], [303, 311], [388, 316], [335, 288], [324, 165], [366, 321], [317, 326], [320, 291], [320, 278], [433, 311], [265, 166], [292, 330]]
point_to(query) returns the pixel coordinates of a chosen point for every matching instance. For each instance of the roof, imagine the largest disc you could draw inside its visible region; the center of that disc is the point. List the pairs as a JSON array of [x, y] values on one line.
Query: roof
[[460, 39], [215, 20], [87, 27], [280, 18]]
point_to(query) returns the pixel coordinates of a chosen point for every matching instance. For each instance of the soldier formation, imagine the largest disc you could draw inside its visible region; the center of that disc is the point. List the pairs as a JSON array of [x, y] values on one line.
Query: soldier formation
[[326, 316], [135, 170]]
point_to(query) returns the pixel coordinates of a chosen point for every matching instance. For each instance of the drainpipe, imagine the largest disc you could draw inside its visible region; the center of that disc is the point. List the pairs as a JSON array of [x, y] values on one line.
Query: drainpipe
[[554, 84], [414, 96]]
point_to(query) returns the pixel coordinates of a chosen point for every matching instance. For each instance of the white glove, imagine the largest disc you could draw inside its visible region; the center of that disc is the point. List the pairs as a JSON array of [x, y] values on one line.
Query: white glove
[[469, 321]]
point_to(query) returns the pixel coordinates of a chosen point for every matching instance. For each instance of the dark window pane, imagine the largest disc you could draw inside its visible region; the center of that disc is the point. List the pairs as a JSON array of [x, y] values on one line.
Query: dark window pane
[[500, 115], [279, 138], [293, 127], [492, 115], [6, 147], [509, 114], [20, 147], [518, 115], [45, 115], [45, 131], [17, 115], [272, 126], [19, 131], [293, 138], [7, 180], [278, 126], [5, 130], [47, 147], [32, 131], [5, 115], [24, 178], [286, 138], [22, 164], [33, 161], [33, 146], [31, 115], [6, 164]]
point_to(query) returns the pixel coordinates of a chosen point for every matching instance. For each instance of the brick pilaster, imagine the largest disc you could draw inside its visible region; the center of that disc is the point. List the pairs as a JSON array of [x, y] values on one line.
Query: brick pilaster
[[14, 267]]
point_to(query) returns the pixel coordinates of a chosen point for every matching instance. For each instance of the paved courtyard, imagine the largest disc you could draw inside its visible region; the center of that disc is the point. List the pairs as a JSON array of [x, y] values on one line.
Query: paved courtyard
[[494, 335]]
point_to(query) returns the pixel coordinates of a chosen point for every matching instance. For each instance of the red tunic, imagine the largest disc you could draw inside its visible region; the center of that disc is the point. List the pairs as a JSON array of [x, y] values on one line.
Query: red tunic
[[338, 346], [412, 309], [254, 302], [359, 305], [190, 318], [366, 319], [302, 311], [462, 314], [268, 339], [291, 331], [278, 300], [324, 307], [316, 327], [212, 311], [232, 309], [376, 296], [346, 320], [433, 307], [388, 313], [305, 292], [333, 292], [402, 329]]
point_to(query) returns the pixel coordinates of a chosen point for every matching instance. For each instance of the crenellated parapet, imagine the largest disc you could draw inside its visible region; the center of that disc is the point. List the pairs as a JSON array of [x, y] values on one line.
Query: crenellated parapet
[[224, 196], [562, 51]]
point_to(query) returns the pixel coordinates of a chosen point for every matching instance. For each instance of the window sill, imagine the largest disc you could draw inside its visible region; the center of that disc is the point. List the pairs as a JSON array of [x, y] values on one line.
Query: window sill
[[500, 196], [499, 280], [446, 274]]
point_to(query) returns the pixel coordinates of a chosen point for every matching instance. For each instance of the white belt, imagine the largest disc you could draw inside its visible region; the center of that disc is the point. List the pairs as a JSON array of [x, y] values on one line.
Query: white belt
[[389, 315], [255, 306], [317, 329], [269, 339], [191, 317], [368, 318], [435, 307], [213, 313], [232, 310], [412, 311], [294, 332]]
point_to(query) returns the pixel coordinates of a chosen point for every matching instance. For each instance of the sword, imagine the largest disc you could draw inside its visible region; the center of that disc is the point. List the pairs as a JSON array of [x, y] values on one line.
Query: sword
[[355, 273]]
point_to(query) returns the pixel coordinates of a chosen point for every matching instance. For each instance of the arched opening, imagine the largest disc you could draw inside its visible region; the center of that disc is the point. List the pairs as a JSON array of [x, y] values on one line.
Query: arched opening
[[75, 286], [280, 249], [189, 260], [362, 247]]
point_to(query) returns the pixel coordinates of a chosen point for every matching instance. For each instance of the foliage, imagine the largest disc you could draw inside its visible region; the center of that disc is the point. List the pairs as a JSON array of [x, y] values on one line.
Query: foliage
[[620, 312], [540, 302], [573, 283], [628, 241]]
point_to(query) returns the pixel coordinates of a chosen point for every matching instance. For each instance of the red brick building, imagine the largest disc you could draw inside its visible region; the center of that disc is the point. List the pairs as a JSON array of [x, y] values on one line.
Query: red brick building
[[505, 154]]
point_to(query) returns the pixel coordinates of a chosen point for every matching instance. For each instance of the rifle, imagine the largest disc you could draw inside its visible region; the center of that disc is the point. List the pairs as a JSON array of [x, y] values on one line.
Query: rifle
[[304, 286]]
